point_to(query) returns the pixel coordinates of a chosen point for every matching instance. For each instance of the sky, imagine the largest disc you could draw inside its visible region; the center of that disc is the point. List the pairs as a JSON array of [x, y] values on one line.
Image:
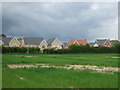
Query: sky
[[62, 20]]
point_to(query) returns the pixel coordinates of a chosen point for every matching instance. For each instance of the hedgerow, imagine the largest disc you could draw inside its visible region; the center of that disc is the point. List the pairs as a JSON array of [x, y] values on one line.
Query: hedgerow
[[20, 49], [70, 49]]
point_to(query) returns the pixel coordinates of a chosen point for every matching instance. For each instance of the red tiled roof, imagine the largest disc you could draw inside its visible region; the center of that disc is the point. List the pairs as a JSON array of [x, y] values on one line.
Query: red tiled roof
[[77, 41]]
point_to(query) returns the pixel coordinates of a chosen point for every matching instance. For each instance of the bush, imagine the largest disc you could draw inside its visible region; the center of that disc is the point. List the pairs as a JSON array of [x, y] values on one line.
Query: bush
[[88, 49], [71, 49], [117, 48], [33, 50], [20, 49]]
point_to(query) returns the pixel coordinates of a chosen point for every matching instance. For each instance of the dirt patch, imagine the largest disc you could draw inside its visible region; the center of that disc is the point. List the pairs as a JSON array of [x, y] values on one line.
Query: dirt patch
[[115, 57], [12, 66], [30, 56], [80, 67], [24, 56], [99, 69], [18, 55]]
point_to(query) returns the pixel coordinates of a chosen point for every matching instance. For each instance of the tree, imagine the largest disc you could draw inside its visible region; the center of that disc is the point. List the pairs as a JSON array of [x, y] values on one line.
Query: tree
[[19, 39], [2, 35], [114, 41], [117, 47]]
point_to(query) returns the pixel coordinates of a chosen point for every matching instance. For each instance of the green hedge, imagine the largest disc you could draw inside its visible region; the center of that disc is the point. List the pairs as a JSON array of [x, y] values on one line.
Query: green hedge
[[88, 49], [20, 50], [71, 49], [83, 49], [33, 50], [58, 51]]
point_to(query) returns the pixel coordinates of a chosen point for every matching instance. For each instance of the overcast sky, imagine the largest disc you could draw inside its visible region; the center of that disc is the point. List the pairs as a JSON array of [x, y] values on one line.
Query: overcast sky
[[64, 20]]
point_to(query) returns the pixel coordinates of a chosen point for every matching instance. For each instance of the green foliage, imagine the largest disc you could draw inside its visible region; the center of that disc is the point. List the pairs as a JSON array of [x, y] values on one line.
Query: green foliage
[[117, 48], [114, 41], [19, 39], [53, 51], [2, 35], [33, 49], [20, 49], [83, 49], [72, 49], [88, 49]]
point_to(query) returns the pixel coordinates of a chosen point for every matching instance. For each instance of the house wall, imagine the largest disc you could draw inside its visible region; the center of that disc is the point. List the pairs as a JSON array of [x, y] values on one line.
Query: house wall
[[22, 43], [41, 45], [31, 46], [107, 44], [96, 45], [1, 43], [48, 46], [56, 44], [14, 41]]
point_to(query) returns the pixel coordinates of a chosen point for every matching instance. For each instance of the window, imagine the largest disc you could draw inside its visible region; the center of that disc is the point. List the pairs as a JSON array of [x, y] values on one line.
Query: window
[[14, 45], [53, 46], [43, 46], [28, 45]]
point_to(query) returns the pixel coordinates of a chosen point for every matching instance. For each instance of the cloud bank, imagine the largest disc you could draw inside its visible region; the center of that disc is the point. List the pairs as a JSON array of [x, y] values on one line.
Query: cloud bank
[[64, 20]]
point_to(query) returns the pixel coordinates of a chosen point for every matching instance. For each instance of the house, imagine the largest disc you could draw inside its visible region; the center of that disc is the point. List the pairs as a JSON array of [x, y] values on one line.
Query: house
[[34, 42], [77, 42], [103, 42], [93, 44], [54, 43], [11, 42], [1, 41], [65, 45]]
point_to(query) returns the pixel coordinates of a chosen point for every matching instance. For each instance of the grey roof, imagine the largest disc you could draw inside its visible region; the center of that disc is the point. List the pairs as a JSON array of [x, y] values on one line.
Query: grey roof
[[92, 43], [6, 40], [101, 41], [32, 40], [65, 44], [50, 41]]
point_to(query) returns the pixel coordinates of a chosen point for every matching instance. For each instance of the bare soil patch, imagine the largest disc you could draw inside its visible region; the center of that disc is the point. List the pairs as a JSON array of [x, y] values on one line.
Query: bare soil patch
[[115, 57], [24, 56], [101, 69]]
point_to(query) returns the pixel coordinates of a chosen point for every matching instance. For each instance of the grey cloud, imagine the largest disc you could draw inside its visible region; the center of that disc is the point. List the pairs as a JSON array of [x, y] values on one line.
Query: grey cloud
[[61, 20]]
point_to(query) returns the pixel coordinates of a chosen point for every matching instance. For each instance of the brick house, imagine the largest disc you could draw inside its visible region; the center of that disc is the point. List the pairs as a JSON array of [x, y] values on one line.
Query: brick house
[[77, 42], [103, 42]]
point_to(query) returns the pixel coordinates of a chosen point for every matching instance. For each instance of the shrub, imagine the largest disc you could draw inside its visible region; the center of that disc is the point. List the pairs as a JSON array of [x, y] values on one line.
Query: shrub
[[20, 49], [71, 49], [33, 49]]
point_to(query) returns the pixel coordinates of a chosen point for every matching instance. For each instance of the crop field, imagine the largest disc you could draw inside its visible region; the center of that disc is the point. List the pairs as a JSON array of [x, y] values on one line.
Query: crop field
[[60, 70]]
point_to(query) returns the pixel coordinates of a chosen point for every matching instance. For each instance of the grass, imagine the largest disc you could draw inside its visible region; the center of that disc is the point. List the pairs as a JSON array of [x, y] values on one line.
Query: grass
[[58, 78], [91, 59]]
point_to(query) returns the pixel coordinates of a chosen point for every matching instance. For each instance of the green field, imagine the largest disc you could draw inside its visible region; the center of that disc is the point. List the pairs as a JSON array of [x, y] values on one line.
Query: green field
[[59, 78]]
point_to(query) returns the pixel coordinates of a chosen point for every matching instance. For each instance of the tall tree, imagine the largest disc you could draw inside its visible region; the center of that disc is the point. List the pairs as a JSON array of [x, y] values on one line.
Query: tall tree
[[114, 41], [2, 35]]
